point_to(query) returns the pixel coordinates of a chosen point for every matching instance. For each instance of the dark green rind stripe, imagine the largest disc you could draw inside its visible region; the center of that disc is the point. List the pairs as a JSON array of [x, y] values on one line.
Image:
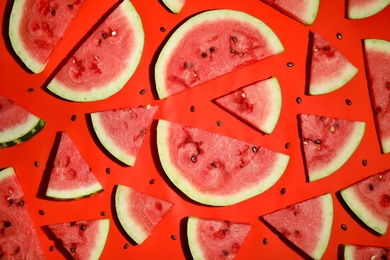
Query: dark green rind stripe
[[75, 198], [36, 129]]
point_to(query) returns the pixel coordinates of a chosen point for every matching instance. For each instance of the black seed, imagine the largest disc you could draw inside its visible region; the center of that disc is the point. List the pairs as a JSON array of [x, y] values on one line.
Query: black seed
[[370, 186], [339, 36], [126, 246], [219, 123], [283, 191], [53, 12], [364, 162], [212, 49], [254, 149], [193, 159], [232, 51], [265, 241], [225, 252], [36, 164], [287, 145], [233, 38], [108, 170], [299, 100], [51, 248], [377, 110], [104, 35], [143, 91], [72, 223], [290, 64], [192, 108], [7, 224], [173, 237], [387, 85], [344, 227], [73, 250], [152, 181], [73, 118], [83, 226], [214, 165], [348, 102], [41, 212], [70, 6], [204, 55], [317, 141], [185, 65], [30, 89], [103, 213], [163, 29]]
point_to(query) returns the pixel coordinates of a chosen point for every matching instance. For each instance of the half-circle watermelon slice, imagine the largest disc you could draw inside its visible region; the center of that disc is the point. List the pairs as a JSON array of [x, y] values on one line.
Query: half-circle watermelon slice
[[17, 124], [214, 238], [258, 104], [71, 177], [139, 213], [209, 45], [84, 239], [214, 169], [18, 239], [359, 252], [104, 63], [328, 143], [37, 26], [307, 224], [329, 69], [174, 6], [369, 199], [359, 9]]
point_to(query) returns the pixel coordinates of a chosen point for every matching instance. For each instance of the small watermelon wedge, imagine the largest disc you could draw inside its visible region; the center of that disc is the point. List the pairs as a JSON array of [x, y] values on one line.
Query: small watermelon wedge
[[122, 131], [359, 252], [369, 199], [84, 239], [258, 104], [139, 213], [71, 176], [36, 28], [377, 58], [359, 9], [214, 238], [18, 239], [328, 143], [216, 42], [304, 11], [89, 74], [329, 69], [17, 124], [307, 224], [174, 6]]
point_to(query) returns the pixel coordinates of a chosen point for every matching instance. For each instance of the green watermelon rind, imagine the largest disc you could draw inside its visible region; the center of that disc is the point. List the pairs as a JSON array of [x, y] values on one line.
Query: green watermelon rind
[[349, 252], [174, 6], [180, 33], [366, 10], [117, 84], [211, 199], [104, 228], [80, 193]]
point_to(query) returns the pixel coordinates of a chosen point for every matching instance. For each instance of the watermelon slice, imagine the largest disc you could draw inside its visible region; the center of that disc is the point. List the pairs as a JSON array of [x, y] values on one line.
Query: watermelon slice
[[19, 239], [122, 131], [139, 213], [328, 143], [214, 169], [360, 252], [369, 199], [329, 70], [174, 6], [377, 57], [209, 45], [306, 224], [214, 238], [89, 74], [36, 27], [83, 239], [304, 11], [358, 9], [258, 104], [17, 124], [71, 176]]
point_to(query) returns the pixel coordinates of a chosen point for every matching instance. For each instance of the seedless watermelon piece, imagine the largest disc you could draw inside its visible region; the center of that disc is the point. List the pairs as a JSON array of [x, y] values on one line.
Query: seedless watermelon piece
[[214, 238], [105, 61], [258, 104], [84, 239], [209, 45], [328, 143], [358, 9], [17, 124], [304, 11], [19, 239], [362, 252], [71, 176], [369, 199], [174, 6], [330, 70], [214, 169], [37, 26], [377, 57], [306, 224], [139, 213]]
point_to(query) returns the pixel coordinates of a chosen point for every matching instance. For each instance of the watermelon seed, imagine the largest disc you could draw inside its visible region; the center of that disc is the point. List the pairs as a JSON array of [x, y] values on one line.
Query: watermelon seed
[[51, 248], [219, 123], [108, 170], [53, 12], [7, 224], [283, 191], [344, 227], [151, 181], [370, 186], [36, 164], [339, 36], [265, 241], [225, 252], [173, 237], [72, 223], [364, 162], [348, 102], [212, 49], [104, 35], [103, 213], [113, 33], [30, 89], [290, 64], [204, 55], [332, 128], [126, 246], [317, 141], [162, 29], [70, 6], [73, 250], [213, 164], [73, 118], [299, 100], [287, 145], [41, 212], [83, 226], [234, 39], [192, 108], [193, 159], [143, 91], [232, 51], [254, 149]]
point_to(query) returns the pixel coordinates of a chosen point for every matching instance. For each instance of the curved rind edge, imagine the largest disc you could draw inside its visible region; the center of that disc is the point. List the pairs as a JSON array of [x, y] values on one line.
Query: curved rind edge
[[366, 11], [193, 244], [79, 193], [28, 131], [173, 5], [104, 227]]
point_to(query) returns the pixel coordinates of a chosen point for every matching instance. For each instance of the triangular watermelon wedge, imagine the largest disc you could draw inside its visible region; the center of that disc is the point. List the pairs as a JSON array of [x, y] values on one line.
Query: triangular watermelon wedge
[[306, 224], [71, 177], [122, 131], [139, 213], [329, 69], [214, 238], [258, 104], [369, 199], [84, 239], [359, 252], [328, 143], [358, 9], [174, 6]]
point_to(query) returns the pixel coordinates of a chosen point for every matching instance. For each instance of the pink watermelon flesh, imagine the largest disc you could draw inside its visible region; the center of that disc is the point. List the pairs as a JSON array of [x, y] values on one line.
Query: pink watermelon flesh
[[360, 252], [18, 239], [139, 213], [358, 9], [377, 56], [83, 239], [258, 104], [329, 70], [328, 143], [215, 239], [306, 224], [122, 131], [71, 176], [37, 27]]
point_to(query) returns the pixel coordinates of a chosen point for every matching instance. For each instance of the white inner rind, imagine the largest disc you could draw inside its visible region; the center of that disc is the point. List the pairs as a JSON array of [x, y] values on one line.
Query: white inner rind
[[20, 130], [74, 193], [349, 251], [174, 5], [366, 9], [192, 236], [104, 227], [311, 12], [276, 97]]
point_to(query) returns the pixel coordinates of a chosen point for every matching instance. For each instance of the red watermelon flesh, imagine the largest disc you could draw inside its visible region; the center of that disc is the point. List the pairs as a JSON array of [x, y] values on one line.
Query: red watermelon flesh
[[139, 213], [18, 239], [37, 27], [358, 9], [360, 252], [306, 224], [214, 238], [71, 176], [377, 57]]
